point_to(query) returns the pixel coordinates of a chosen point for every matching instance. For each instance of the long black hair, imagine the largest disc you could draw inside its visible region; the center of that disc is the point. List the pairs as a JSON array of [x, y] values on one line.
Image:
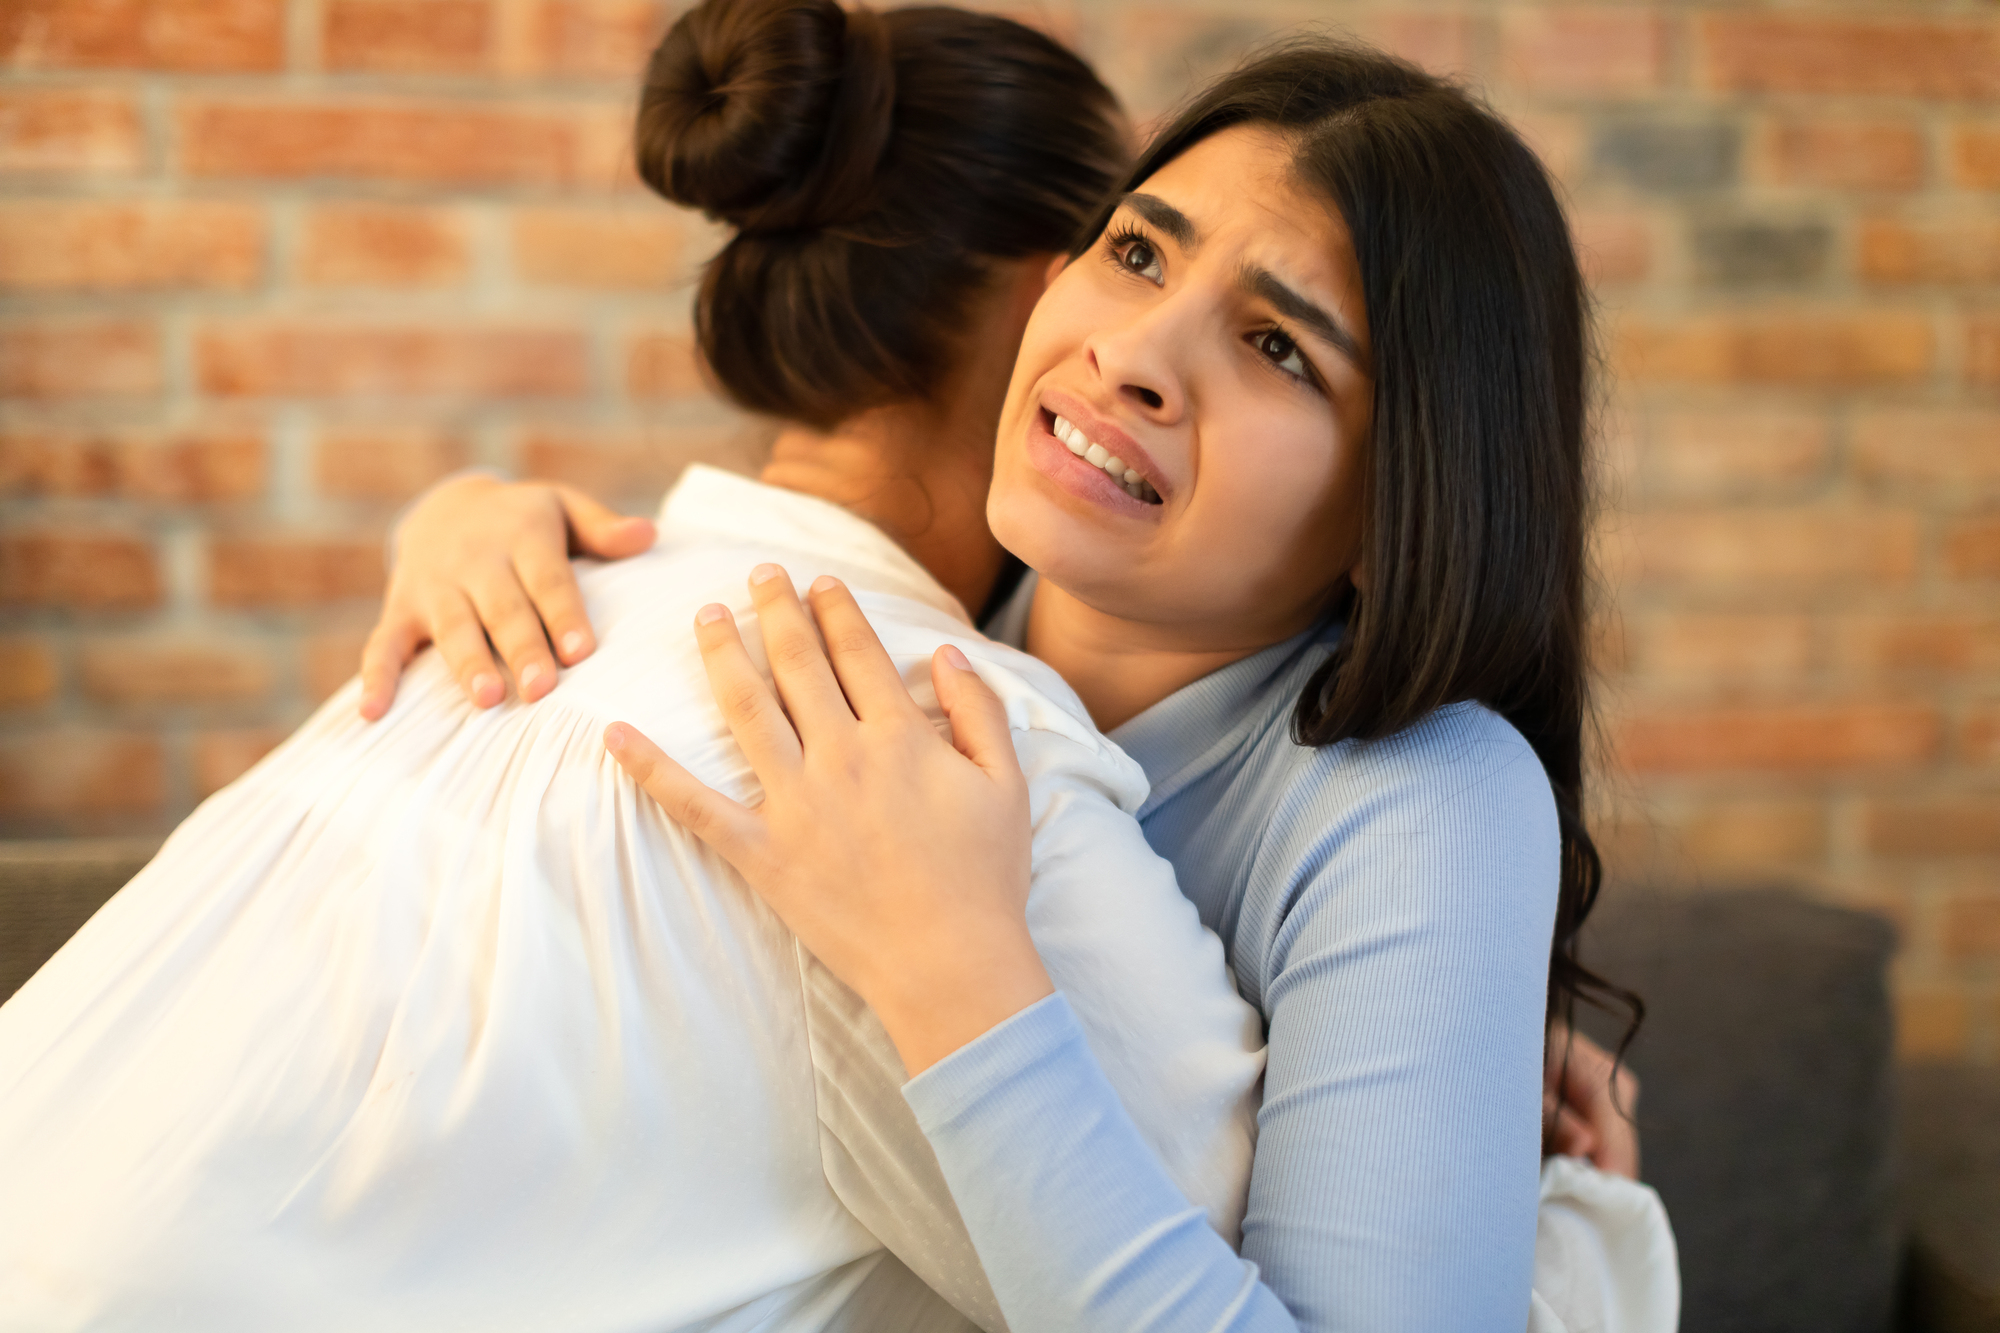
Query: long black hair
[[873, 167], [1478, 496]]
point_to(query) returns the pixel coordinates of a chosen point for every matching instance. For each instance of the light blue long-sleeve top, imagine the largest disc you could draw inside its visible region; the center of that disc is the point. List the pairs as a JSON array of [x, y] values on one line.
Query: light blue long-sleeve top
[[1387, 906]]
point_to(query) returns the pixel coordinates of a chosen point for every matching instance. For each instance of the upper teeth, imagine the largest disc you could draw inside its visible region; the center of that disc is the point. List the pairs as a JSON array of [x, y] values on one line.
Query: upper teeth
[[1097, 455]]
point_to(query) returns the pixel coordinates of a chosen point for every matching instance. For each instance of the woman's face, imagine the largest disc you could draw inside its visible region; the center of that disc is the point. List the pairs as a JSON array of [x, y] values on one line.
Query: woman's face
[[1215, 343]]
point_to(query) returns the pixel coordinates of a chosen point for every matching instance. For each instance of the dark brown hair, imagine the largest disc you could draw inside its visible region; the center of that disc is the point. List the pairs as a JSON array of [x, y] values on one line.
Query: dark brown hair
[[1478, 500], [873, 166]]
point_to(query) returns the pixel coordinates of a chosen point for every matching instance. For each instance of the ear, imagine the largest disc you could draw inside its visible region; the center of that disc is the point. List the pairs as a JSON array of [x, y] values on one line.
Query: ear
[[1057, 263], [1358, 576]]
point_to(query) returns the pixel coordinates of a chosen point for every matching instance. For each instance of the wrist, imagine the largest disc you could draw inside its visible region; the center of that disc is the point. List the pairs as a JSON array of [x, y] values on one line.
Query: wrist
[[957, 994]]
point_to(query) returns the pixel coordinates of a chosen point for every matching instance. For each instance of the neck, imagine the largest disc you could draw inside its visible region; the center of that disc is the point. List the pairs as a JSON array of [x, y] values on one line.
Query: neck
[[1118, 668], [913, 473]]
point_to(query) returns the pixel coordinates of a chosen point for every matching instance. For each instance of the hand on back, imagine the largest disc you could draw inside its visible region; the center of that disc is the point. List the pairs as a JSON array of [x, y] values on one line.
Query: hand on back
[[483, 565]]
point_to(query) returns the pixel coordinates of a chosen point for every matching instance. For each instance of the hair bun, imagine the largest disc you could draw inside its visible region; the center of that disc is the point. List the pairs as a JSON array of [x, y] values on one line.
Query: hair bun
[[770, 115]]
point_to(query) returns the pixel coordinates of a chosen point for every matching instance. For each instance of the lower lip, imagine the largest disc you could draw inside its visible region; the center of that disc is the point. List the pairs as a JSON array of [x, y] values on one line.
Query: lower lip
[[1080, 477]]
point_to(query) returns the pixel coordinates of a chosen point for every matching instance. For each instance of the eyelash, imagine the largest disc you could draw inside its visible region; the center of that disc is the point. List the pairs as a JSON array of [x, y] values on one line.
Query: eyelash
[[1116, 243]]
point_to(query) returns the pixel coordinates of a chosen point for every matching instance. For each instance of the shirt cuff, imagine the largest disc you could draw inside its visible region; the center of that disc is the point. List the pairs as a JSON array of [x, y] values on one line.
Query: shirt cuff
[[1007, 1052]]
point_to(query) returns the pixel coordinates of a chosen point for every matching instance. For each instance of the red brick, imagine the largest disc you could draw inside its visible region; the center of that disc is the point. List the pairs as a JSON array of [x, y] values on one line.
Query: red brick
[[1957, 251], [417, 36], [1954, 450], [1935, 642], [1776, 548], [1722, 452], [1562, 142], [615, 250], [130, 669], [1982, 349], [385, 463], [65, 130], [69, 359], [1970, 929], [1695, 649], [1561, 50], [1741, 835], [1613, 247], [194, 467], [1975, 156], [1972, 548], [664, 365], [256, 358], [1846, 155], [1799, 738], [69, 569], [221, 757], [1830, 349], [1821, 54], [97, 245], [1935, 826], [631, 465], [292, 571], [1932, 1023], [455, 144], [1441, 43], [383, 245], [76, 772], [191, 35], [28, 673], [331, 659], [1979, 735], [610, 38]]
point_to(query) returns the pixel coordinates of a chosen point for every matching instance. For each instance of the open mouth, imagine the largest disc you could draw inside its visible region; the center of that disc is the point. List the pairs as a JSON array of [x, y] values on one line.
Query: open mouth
[[1122, 473]]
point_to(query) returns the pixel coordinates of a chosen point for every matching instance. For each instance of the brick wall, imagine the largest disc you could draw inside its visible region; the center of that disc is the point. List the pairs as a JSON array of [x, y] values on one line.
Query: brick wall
[[270, 266]]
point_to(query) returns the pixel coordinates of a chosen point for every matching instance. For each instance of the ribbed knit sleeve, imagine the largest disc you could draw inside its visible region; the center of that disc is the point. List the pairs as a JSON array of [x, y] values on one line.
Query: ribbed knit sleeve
[[1392, 922]]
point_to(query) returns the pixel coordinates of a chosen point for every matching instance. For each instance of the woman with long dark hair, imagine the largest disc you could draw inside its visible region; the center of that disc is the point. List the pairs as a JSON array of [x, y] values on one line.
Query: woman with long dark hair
[[1331, 337]]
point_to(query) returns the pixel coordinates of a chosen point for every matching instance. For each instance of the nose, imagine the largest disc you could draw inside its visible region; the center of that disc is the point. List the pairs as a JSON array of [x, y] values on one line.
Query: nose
[[1137, 360]]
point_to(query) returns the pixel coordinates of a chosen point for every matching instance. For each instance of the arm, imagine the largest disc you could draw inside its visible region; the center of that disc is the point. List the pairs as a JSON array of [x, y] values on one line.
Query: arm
[[1395, 1183], [483, 563]]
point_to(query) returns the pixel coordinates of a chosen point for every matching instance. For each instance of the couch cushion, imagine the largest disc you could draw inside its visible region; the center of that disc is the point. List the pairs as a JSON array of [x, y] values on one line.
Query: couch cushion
[[49, 889], [1766, 1113], [1950, 1141]]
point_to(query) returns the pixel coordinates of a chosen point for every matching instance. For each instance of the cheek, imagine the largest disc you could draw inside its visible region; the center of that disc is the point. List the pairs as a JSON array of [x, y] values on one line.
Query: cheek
[[1287, 508]]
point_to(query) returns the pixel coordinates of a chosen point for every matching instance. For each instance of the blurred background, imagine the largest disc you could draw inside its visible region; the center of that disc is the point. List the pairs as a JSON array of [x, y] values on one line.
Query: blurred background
[[269, 267]]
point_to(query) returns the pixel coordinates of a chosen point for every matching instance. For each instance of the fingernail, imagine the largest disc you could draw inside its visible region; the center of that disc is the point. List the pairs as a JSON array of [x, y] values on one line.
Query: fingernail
[[615, 737], [711, 613], [765, 573], [825, 583], [956, 658], [529, 675], [573, 644], [485, 689]]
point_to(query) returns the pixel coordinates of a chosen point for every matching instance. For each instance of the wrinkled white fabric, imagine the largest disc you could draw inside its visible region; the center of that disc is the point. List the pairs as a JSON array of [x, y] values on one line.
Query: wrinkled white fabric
[[439, 1023], [1605, 1260]]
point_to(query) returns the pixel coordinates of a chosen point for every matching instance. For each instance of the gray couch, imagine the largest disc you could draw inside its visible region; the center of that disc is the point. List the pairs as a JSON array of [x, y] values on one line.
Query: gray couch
[[1769, 1116]]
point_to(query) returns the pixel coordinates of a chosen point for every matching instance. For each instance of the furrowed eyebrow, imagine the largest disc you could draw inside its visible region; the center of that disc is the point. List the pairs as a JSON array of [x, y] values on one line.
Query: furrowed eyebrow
[[1262, 282], [1177, 225]]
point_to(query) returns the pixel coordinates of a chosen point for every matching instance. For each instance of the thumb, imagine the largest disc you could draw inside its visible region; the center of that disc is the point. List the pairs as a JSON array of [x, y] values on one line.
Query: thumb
[[979, 728], [601, 531]]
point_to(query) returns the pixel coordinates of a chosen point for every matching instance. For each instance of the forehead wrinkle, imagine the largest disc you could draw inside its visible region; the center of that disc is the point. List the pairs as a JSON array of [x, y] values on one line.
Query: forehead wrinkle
[[1178, 226], [1261, 282]]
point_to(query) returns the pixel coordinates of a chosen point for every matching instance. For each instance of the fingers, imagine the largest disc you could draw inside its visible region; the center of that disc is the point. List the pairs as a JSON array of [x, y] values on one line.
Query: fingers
[[748, 705], [390, 646], [1571, 1135], [868, 677], [600, 531], [462, 644], [798, 663], [700, 809], [550, 583], [979, 729], [514, 627]]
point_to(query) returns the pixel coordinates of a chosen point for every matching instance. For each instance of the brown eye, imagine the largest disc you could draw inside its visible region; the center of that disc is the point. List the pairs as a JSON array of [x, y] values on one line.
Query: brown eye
[[1138, 256], [1283, 352]]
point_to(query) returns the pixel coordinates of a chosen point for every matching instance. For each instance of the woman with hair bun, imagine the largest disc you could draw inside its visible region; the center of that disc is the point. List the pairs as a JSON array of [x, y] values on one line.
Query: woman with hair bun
[[1331, 338], [437, 1023]]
